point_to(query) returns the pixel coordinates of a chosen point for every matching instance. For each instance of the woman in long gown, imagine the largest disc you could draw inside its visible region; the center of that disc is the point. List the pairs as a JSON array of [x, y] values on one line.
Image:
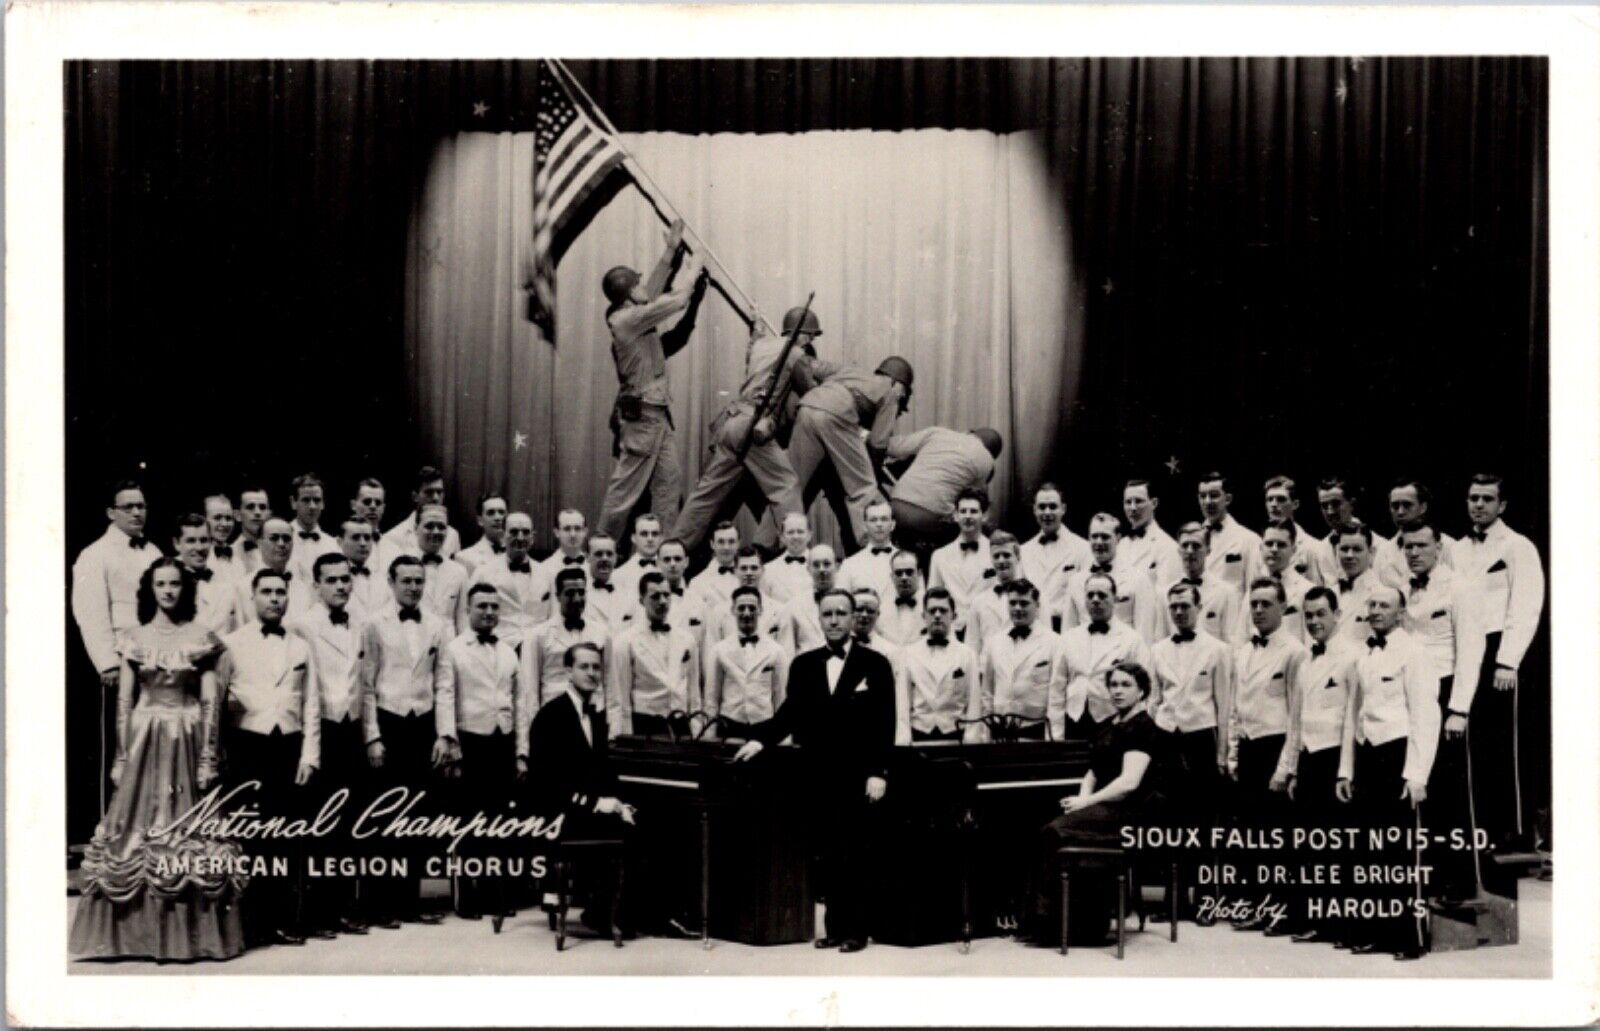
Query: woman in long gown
[[150, 891]]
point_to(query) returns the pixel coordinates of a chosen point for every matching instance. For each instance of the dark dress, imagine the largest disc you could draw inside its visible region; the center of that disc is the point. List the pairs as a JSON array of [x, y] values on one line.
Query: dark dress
[[162, 896], [1093, 889]]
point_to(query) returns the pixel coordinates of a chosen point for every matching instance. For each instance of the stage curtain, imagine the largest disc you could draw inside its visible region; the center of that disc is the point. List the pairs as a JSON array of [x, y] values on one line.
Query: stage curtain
[[946, 247]]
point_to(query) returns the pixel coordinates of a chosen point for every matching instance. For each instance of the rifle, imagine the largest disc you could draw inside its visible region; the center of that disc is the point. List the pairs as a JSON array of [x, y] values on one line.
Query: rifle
[[769, 395], [658, 276]]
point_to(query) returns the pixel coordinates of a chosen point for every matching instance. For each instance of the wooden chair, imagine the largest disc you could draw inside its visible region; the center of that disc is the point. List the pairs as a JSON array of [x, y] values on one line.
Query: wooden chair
[[1125, 866]]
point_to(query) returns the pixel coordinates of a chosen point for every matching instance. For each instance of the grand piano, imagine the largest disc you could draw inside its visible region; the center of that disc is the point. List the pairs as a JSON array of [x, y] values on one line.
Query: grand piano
[[734, 839]]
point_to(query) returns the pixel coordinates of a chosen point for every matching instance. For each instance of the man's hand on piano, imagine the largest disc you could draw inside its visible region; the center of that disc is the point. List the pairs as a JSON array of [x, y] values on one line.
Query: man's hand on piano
[[613, 805], [747, 751], [876, 786]]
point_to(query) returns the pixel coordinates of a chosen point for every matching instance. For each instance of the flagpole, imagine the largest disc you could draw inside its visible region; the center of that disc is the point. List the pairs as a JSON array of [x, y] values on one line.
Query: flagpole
[[658, 198]]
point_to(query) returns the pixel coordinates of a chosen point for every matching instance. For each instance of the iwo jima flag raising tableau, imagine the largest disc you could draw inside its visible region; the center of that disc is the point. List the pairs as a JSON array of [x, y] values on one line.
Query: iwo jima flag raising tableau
[[1045, 531]]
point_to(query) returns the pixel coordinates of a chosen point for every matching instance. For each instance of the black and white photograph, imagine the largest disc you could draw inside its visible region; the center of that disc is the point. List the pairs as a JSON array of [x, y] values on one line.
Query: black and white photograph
[[740, 508]]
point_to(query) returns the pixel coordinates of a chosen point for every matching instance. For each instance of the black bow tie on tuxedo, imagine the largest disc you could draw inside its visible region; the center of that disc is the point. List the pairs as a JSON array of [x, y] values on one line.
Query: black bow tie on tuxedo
[[1258, 641], [1478, 535], [838, 650], [310, 535], [1021, 633], [272, 629], [1214, 527], [202, 574], [1182, 636], [1138, 533], [1097, 627], [906, 603], [602, 587], [647, 562], [1100, 568], [360, 571], [248, 544], [136, 543], [1194, 581], [573, 625], [1419, 582], [487, 637], [222, 550], [678, 591], [724, 570], [660, 628], [520, 567], [1375, 641], [937, 642], [572, 560], [410, 616], [338, 617], [1346, 585], [1318, 648], [882, 551], [432, 560], [750, 640], [969, 545], [794, 561]]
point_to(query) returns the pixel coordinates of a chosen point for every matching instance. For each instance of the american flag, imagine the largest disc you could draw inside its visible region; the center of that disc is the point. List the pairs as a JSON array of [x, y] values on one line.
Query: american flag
[[573, 158]]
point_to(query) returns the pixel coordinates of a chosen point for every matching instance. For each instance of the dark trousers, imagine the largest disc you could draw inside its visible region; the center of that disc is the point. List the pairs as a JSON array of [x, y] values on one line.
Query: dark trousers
[[1094, 894], [1492, 748], [647, 725], [408, 763], [1450, 811], [1317, 807], [271, 902], [1395, 922], [921, 531], [1258, 808], [1195, 790], [487, 784], [1082, 728], [848, 828], [343, 764]]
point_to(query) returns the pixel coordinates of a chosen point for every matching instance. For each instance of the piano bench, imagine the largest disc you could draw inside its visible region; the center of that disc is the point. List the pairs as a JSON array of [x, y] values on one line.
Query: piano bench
[[585, 850], [1124, 864]]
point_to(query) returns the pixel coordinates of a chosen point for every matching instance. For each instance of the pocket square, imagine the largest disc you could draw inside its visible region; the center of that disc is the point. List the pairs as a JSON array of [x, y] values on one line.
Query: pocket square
[[861, 687], [1234, 558], [1277, 676], [1498, 567], [1387, 680], [1332, 682], [1441, 614], [958, 674]]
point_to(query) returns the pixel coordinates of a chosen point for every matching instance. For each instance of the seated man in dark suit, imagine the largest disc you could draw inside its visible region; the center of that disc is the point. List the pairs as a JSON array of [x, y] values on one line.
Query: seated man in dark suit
[[567, 767], [840, 709]]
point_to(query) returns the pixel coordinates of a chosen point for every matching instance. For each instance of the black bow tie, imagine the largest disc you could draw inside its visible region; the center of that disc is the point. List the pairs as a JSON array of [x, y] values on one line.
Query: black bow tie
[[838, 650], [573, 625], [881, 551], [1097, 627], [248, 544], [1375, 641], [432, 560], [1049, 538], [520, 567], [1318, 648], [647, 562], [906, 603], [360, 571], [1346, 585], [1214, 527], [1021, 633], [749, 639], [410, 616], [602, 587], [794, 561], [1420, 582], [1194, 581], [969, 545], [222, 550], [338, 617], [488, 638], [1478, 535], [1138, 533], [937, 642], [1258, 641], [136, 543], [817, 596], [1100, 567], [678, 591], [660, 628], [1182, 635], [724, 570], [271, 629], [572, 560], [310, 535], [202, 574]]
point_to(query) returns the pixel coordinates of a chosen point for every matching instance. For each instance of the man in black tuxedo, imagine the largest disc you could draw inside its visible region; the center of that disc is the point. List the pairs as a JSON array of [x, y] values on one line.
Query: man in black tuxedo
[[840, 709]]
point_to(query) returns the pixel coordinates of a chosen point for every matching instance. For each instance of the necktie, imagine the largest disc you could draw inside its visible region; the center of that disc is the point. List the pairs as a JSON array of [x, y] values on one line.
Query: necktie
[[1376, 641], [1049, 538], [338, 617], [202, 574], [1419, 583], [311, 536], [748, 640], [1258, 641], [794, 561], [410, 616], [724, 570], [969, 545], [1318, 649], [360, 571], [270, 629], [1097, 627], [881, 551], [1021, 633], [433, 559], [1182, 636], [488, 638], [519, 567], [136, 543], [838, 650], [1138, 532], [573, 625], [659, 628], [906, 603], [222, 550]]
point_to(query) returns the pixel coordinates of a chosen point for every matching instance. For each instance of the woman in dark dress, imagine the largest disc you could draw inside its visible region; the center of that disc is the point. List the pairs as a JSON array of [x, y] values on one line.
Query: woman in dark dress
[[1120, 790]]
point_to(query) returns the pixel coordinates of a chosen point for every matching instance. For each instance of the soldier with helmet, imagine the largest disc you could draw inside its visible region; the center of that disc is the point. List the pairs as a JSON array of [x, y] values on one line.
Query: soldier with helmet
[[642, 420], [828, 425], [746, 434]]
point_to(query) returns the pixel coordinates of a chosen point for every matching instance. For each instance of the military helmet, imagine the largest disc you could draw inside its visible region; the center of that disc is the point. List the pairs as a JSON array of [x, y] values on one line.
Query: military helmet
[[897, 369], [618, 284], [791, 318]]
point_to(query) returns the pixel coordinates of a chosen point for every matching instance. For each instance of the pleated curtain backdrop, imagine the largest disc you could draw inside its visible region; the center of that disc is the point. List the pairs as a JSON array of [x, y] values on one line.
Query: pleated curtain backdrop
[[945, 247]]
